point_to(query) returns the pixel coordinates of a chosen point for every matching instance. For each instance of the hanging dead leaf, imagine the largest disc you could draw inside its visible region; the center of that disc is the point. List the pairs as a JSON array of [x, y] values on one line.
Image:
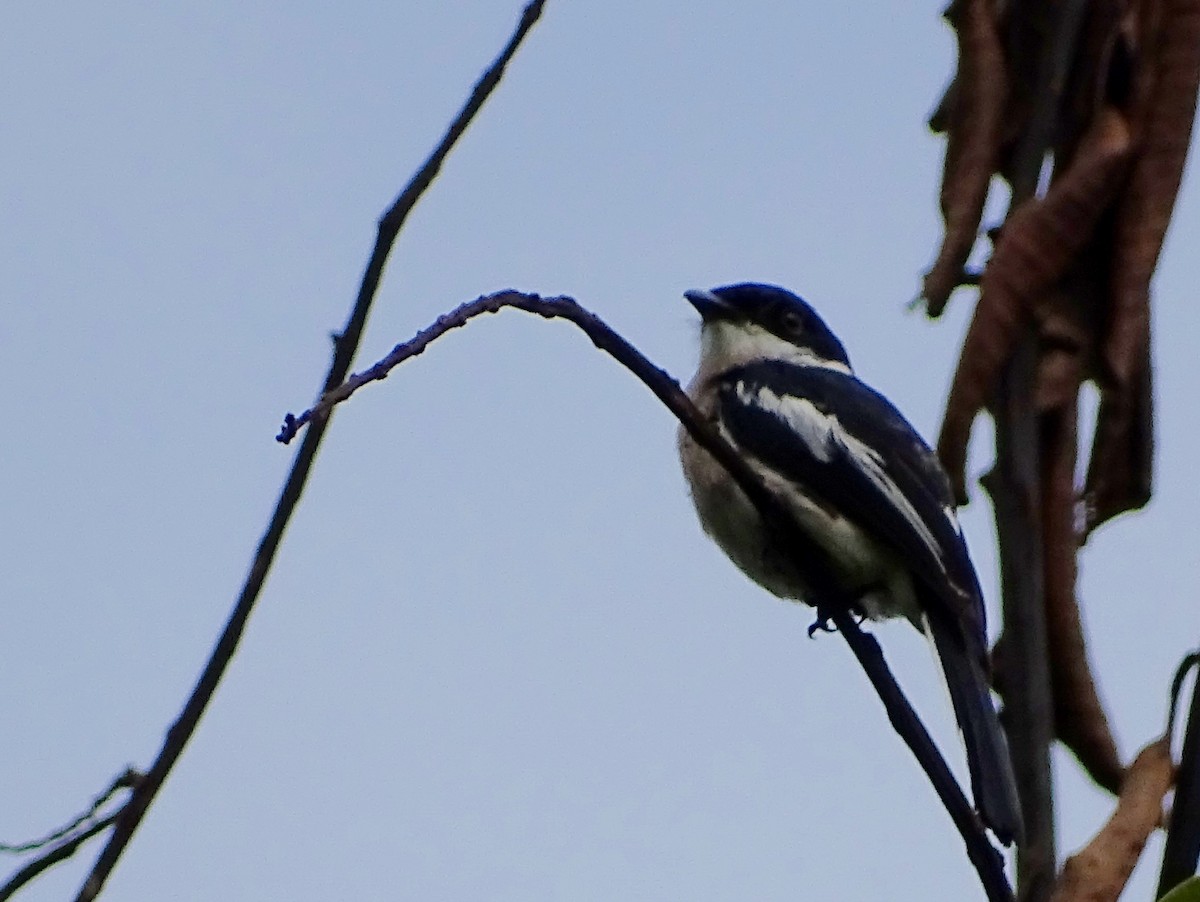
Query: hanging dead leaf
[[1101, 75], [1079, 718], [1039, 243], [1120, 472], [1066, 330], [1026, 28], [1099, 871], [972, 111]]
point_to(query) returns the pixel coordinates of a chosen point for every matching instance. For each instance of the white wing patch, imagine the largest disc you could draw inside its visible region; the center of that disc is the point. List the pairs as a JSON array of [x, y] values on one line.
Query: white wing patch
[[812, 427], [824, 436], [952, 516]]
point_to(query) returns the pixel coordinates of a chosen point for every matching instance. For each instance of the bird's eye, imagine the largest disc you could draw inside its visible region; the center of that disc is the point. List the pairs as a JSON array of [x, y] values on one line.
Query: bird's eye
[[792, 322]]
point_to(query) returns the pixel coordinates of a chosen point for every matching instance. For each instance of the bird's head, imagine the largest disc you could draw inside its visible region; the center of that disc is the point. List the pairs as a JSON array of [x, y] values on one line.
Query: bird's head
[[749, 321]]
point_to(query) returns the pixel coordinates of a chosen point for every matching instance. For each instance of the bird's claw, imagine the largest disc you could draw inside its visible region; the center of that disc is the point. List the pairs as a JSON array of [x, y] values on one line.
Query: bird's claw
[[821, 624], [824, 616]]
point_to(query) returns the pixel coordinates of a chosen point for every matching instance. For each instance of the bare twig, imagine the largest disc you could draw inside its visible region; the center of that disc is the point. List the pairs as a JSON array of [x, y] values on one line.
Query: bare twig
[[1183, 833], [1016, 494], [126, 780], [983, 855], [346, 345], [840, 609], [55, 855], [1028, 703], [64, 842]]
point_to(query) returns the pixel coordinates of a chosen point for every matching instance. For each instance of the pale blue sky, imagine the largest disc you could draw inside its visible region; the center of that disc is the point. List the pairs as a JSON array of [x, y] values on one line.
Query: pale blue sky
[[496, 659]]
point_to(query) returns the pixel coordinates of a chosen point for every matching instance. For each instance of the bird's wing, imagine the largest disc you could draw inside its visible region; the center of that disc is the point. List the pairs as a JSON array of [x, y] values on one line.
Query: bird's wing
[[849, 447], [823, 429]]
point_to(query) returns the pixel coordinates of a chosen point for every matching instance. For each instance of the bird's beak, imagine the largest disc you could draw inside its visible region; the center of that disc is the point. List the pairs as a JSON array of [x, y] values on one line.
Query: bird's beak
[[709, 305]]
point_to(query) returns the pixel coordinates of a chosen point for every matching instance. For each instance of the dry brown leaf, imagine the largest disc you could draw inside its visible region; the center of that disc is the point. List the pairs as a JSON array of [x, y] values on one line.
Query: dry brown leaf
[[1059, 372], [1079, 718], [1101, 73], [1120, 473], [1066, 331], [939, 119], [1164, 132], [1099, 871], [1039, 243], [972, 111], [1026, 29]]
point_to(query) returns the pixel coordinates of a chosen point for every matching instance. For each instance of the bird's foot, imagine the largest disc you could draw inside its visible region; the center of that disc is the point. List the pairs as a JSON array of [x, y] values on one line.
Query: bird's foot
[[821, 624], [824, 615]]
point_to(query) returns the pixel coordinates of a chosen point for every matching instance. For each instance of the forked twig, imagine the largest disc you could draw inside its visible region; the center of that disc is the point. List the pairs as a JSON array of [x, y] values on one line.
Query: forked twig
[[127, 779], [58, 853], [60, 844]]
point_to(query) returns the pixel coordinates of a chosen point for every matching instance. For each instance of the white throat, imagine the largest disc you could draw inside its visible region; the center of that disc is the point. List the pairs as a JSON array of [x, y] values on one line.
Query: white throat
[[724, 345]]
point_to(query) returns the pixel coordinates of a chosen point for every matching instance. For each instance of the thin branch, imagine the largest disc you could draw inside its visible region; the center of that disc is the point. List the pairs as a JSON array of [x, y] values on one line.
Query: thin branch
[[835, 604], [1182, 849], [1015, 487], [126, 780], [346, 345], [1016, 495], [56, 855], [983, 855]]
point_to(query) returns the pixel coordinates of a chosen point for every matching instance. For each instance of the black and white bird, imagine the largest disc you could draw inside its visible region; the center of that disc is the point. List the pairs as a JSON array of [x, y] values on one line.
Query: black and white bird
[[860, 482]]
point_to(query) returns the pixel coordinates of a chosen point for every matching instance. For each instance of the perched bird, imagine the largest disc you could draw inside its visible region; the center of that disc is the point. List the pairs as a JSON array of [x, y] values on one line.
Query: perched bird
[[861, 484]]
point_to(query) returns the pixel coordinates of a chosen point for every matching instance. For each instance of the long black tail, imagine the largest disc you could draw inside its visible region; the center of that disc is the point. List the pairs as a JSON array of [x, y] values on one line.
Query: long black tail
[[992, 782]]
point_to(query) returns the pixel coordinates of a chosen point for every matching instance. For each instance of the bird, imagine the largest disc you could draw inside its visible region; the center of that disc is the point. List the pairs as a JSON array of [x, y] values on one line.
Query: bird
[[864, 488]]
